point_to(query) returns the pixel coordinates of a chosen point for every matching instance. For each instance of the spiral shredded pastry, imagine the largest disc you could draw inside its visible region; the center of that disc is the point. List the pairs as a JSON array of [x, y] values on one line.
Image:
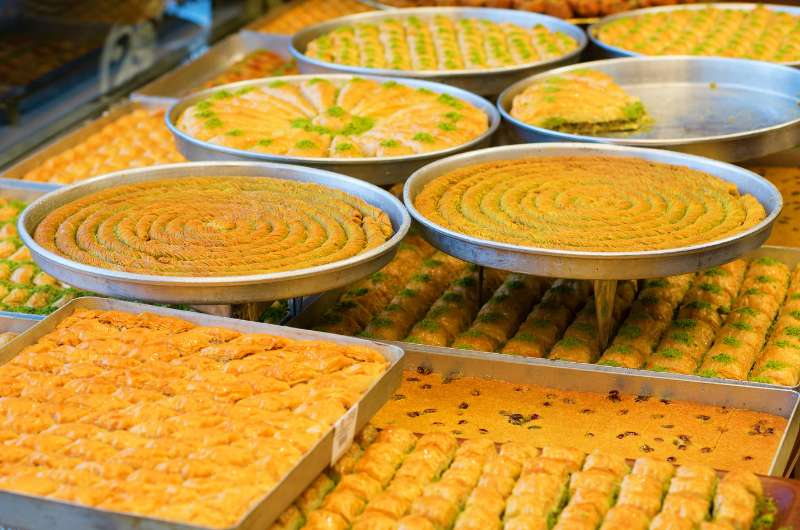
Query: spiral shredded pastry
[[761, 33], [213, 226], [600, 204]]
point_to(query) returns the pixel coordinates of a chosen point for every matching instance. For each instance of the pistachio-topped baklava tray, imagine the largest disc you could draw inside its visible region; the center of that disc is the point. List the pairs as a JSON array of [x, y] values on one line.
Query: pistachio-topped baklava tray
[[725, 109], [29, 511], [488, 81]]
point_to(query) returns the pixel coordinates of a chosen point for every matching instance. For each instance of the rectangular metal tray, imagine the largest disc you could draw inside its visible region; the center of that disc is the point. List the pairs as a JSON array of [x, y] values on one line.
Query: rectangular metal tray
[[181, 80], [26, 511], [315, 310], [17, 323], [75, 136]]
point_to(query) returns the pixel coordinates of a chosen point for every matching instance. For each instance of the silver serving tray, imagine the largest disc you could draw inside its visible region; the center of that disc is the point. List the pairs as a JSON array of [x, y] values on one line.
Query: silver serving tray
[[595, 265], [772, 399], [488, 82], [380, 171], [180, 81], [612, 51], [726, 109], [221, 289], [75, 136], [34, 512]]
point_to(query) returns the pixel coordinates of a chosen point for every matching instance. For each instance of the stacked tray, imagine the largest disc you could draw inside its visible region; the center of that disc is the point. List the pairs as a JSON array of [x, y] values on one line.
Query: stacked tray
[[488, 81], [30, 511], [221, 289]]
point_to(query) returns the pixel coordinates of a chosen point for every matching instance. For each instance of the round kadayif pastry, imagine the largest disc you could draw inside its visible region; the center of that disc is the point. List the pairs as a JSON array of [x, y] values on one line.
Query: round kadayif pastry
[[592, 203], [213, 226], [336, 118]]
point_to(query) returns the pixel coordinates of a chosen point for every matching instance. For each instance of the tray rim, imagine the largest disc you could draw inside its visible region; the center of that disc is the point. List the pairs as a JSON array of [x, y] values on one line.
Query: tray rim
[[512, 15], [109, 180], [481, 103], [529, 150], [592, 30], [505, 99], [394, 357]]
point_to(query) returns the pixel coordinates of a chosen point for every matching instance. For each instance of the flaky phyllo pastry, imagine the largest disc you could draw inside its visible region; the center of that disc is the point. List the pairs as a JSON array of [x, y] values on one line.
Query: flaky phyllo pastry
[[599, 204], [586, 102], [337, 118], [439, 42], [159, 417], [214, 226]]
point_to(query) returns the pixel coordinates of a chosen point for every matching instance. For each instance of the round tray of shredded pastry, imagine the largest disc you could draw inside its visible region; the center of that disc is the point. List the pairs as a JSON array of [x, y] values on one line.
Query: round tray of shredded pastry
[[591, 211], [214, 233]]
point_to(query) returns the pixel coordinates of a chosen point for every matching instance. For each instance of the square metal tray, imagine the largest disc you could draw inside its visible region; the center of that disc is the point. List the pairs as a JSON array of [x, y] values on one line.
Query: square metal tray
[[181, 80], [33, 512]]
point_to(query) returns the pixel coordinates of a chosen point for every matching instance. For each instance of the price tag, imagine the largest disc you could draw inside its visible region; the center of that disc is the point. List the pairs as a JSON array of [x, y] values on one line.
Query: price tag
[[343, 433]]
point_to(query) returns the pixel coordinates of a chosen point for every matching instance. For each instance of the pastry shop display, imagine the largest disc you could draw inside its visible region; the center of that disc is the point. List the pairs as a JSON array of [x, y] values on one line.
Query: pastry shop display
[[597, 204], [585, 102], [441, 482], [24, 287], [735, 321], [156, 416], [138, 138], [303, 13], [337, 117], [627, 425], [213, 226], [751, 31], [254, 65], [431, 42]]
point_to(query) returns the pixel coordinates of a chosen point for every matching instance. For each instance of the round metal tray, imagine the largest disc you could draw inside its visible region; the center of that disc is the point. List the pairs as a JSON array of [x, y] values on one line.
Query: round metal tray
[[726, 109], [384, 6], [219, 289], [487, 82], [381, 171], [607, 50], [595, 265]]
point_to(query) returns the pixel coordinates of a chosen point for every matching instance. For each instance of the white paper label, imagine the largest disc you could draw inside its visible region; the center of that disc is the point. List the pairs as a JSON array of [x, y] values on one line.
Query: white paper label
[[343, 433]]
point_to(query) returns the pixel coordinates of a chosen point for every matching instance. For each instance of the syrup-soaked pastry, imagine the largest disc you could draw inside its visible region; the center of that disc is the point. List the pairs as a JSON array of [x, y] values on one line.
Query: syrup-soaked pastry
[[739, 342], [219, 226], [641, 492], [333, 118], [761, 33], [438, 42], [411, 303], [581, 516], [625, 517], [617, 466], [671, 521], [491, 201], [501, 315], [367, 297], [254, 65], [186, 426], [546, 323], [585, 102], [662, 472], [736, 499], [139, 138], [453, 312]]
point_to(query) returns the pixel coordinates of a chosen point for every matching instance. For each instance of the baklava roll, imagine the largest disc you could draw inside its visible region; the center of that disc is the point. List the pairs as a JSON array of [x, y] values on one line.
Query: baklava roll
[[395, 44], [313, 496], [687, 506], [581, 342], [421, 46], [500, 316], [614, 464], [624, 517], [581, 516], [408, 306], [345, 503], [526, 522], [642, 492], [599, 480], [662, 472], [549, 318], [374, 521], [325, 520], [446, 43], [471, 43], [520, 45], [670, 521], [370, 46]]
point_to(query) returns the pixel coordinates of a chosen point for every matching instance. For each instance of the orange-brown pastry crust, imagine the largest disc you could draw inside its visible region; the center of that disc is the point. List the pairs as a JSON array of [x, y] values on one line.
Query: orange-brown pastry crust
[[137, 139], [631, 426], [159, 417], [214, 226], [588, 203], [256, 64]]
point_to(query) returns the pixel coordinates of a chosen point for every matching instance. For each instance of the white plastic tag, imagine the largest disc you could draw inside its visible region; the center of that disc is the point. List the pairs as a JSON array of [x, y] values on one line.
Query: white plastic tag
[[343, 433]]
